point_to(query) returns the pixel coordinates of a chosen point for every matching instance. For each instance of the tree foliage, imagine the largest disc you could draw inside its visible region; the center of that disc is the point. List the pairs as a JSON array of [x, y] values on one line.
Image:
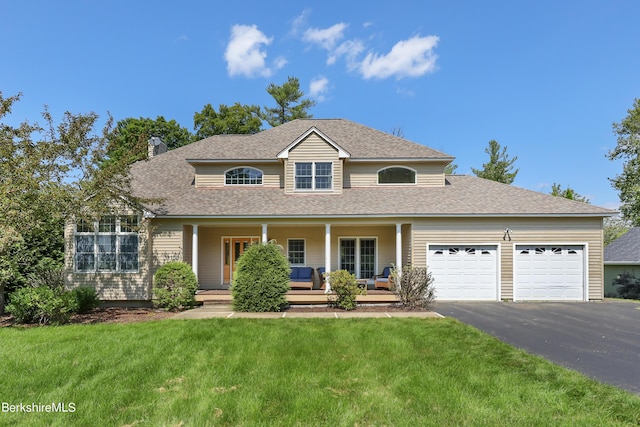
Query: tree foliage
[[567, 193], [128, 141], [236, 119], [499, 167], [290, 106], [49, 173], [628, 150], [613, 228]]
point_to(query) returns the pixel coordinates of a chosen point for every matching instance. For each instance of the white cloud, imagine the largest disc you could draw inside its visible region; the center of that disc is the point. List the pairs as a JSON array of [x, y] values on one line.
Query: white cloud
[[319, 87], [350, 49], [408, 58], [244, 53], [327, 37], [299, 22]]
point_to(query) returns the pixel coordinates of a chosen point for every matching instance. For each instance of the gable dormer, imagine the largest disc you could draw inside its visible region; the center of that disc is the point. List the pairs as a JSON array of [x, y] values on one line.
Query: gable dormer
[[313, 163]]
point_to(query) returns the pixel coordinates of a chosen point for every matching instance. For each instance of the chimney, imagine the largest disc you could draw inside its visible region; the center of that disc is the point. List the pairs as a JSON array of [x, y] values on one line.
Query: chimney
[[156, 146]]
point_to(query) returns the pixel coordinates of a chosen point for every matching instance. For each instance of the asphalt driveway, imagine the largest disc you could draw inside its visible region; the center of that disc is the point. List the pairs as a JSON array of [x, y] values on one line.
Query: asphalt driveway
[[599, 339]]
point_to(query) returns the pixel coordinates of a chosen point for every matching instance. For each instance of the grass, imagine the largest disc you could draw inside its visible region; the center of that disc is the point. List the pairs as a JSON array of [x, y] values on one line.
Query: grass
[[297, 372]]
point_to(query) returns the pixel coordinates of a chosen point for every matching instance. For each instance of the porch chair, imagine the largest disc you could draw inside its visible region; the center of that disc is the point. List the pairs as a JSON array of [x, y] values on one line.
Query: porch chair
[[321, 271], [383, 280], [301, 277]]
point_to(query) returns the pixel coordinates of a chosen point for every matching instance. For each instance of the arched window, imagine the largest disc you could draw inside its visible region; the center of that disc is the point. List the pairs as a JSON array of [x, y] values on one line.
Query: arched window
[[396, 175], [243, 176]]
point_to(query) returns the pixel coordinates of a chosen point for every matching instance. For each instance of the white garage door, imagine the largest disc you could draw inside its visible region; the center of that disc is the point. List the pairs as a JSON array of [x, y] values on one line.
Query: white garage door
[[464, 272], [549, 272]]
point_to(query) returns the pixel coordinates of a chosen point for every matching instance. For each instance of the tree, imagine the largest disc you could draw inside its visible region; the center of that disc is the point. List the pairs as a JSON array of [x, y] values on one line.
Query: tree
[[130, 136], [450, 169], [48, 174], [236, 119], [628, 149], [499, 167], [613, 228], [567, 193], [286, 96]]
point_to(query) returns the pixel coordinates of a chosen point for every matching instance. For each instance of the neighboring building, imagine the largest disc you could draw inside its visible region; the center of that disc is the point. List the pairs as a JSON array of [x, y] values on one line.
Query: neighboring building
[[621, 256], [340, 195]]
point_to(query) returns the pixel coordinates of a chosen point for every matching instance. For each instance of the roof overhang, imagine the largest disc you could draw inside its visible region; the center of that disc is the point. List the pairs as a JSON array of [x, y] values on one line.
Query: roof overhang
[[622, 263], [402, 159], [209, 161], [342, 153]]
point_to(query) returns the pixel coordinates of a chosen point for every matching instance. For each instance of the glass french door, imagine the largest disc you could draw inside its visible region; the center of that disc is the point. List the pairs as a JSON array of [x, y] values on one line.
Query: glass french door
[[233, 248], [358, 256]]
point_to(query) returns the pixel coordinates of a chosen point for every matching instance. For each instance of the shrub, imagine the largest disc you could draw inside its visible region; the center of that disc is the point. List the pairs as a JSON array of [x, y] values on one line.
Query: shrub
[[345, 288], [42, 305], [175, 286], [261, 280], [414, 287], [86, 298], [629, 286]]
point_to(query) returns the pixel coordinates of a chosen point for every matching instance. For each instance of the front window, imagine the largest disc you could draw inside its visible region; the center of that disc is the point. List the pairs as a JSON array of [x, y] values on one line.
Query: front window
[[296, 251], [314, 176], [243, 176], [396, 175], [110, 244]]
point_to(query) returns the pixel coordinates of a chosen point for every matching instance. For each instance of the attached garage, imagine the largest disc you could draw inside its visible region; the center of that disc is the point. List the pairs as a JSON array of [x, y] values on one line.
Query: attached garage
[[549, 273], [464, 272]]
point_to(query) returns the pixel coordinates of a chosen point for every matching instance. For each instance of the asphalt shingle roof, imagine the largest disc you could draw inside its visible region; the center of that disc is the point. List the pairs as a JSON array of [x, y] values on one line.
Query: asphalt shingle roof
[[170, 177], [625, 248]]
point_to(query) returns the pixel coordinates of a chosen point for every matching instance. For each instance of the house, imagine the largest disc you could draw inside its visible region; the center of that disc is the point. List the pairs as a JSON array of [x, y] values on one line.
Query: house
[[621, 256], [340, 195]]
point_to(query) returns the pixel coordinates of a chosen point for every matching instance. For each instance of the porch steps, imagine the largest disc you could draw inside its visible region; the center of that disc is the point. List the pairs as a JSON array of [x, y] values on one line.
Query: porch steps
[[299, 297]]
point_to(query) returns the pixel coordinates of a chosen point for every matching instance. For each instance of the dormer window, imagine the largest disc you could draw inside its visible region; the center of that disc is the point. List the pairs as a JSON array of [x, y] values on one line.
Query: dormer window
[[397, 175], [243, 176], [314, 176]]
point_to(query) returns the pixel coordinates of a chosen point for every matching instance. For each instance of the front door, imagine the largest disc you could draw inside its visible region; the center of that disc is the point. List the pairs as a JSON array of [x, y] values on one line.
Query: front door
[[233, 247]]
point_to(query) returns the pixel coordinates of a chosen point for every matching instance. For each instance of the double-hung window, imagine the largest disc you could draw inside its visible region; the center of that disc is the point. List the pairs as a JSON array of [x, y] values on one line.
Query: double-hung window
[[313, 176], [110, 244], [296, 251]]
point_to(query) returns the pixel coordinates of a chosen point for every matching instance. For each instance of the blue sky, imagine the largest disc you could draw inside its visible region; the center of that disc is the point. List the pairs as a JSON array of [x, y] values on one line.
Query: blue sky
[[544, 78]]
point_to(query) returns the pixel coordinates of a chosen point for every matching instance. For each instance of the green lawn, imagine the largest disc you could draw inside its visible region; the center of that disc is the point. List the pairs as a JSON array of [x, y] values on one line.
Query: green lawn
[[302, 372]]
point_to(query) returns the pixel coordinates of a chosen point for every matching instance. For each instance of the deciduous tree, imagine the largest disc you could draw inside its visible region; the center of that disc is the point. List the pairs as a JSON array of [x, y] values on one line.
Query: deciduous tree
[[236, 119], [567, 193], [628, 150]]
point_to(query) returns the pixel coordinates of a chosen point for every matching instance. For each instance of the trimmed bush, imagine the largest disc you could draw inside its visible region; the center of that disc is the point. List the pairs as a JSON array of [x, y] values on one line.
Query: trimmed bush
[[42, 305], [345, 288], [414, 287], [86, 298], [261, 280], [175, 286]]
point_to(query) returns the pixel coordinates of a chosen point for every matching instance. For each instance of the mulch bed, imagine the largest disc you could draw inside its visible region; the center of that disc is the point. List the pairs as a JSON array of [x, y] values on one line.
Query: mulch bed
[[130, 315]]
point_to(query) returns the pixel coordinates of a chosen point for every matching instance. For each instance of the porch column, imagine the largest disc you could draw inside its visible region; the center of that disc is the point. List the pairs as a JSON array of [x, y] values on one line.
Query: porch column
[[264, 233], [194, 250], [327, 255], [399, 247]]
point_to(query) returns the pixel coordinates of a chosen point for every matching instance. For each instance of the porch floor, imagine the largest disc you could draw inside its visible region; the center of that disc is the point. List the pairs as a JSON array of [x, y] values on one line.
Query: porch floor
[[300, 297]]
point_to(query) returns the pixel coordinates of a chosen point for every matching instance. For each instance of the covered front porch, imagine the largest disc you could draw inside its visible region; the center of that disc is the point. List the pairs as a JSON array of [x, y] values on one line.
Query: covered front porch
[[363, 248]]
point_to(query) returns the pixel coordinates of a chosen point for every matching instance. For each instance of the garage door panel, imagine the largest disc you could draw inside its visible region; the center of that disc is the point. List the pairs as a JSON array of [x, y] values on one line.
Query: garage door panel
[[549, 272], [464, 272]]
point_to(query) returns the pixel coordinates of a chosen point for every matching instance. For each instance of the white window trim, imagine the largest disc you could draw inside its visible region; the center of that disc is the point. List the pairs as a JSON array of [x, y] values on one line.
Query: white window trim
[[313, 178], [243, 185], [95, 233], [357, 249], [415, 181], [304, 241]]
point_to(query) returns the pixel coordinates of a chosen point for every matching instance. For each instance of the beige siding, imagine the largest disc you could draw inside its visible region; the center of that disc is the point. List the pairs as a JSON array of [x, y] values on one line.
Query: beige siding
[[313, 149], [168, 242], [212, 175], [124, 286], [366, 174], [534, 230]]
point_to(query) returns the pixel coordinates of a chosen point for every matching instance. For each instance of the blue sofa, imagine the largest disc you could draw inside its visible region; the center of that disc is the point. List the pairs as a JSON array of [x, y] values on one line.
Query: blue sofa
[[301, 277]]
